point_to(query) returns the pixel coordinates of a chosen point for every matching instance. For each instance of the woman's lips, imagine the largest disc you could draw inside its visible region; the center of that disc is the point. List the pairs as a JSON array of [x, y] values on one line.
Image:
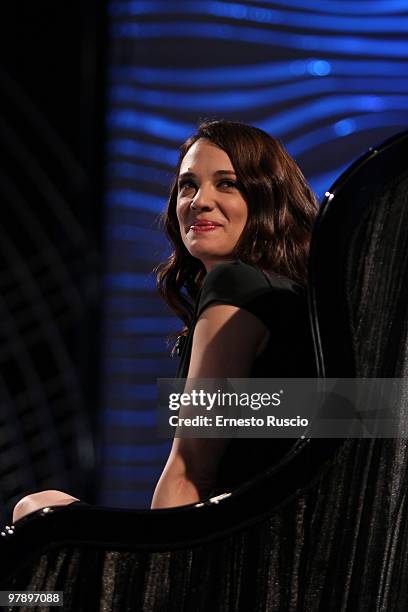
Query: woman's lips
[[208, 227], [204, 228]]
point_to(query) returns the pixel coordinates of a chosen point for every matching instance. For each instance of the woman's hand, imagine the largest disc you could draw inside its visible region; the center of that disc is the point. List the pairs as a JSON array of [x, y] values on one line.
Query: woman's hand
[[36, 501]]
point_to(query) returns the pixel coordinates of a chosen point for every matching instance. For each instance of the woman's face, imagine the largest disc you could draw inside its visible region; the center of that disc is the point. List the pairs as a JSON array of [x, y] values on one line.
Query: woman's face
[[210, 209]]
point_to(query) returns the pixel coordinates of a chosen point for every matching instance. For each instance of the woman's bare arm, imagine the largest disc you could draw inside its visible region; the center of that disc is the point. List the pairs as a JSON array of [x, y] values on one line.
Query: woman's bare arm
[[36, 501], [225, 343]]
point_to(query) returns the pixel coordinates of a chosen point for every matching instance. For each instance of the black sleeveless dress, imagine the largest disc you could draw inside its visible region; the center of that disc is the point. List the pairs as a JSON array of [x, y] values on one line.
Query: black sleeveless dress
[[281, 305]]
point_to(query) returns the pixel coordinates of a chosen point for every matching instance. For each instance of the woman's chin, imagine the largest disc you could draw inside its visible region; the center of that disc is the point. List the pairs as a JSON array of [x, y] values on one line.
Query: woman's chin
[[204, 255], [206, 252]]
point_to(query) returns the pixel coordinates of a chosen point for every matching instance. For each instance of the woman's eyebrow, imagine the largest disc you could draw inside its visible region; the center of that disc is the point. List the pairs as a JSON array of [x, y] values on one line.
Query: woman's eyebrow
[[216, 173], [220, 172]]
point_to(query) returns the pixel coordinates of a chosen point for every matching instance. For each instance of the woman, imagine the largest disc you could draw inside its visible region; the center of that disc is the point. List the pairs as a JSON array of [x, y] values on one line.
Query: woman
[[239, 216], [239, 207]]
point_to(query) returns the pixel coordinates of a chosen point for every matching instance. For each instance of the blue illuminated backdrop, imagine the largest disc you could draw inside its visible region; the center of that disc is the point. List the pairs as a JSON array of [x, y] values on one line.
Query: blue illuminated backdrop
[[328, 78]]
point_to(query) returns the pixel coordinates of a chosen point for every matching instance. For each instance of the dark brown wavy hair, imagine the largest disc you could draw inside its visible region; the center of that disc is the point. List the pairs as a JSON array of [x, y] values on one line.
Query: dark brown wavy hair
[[281, 212]]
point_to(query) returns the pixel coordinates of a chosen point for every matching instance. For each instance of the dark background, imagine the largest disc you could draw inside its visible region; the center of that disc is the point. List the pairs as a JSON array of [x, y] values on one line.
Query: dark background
[[52, 78]]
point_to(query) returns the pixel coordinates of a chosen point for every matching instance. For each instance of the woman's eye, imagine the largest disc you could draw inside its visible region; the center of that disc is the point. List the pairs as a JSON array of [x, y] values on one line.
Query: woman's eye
[[184, 185], [188, 185], [228, 184]]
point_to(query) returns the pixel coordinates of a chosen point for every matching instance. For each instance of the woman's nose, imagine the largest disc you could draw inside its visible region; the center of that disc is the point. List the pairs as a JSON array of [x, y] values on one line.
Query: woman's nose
[[202, 199]]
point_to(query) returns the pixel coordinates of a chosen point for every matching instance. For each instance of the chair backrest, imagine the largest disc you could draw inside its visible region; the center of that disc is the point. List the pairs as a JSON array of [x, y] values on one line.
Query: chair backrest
[[358, 291], [359, 304], [325, 529]]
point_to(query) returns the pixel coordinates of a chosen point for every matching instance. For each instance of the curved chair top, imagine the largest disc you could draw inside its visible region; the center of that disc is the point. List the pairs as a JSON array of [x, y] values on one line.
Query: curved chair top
[[337, 238]]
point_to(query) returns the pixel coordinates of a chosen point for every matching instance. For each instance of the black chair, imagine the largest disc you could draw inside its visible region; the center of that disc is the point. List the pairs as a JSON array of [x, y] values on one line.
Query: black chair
[[325, 529]]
